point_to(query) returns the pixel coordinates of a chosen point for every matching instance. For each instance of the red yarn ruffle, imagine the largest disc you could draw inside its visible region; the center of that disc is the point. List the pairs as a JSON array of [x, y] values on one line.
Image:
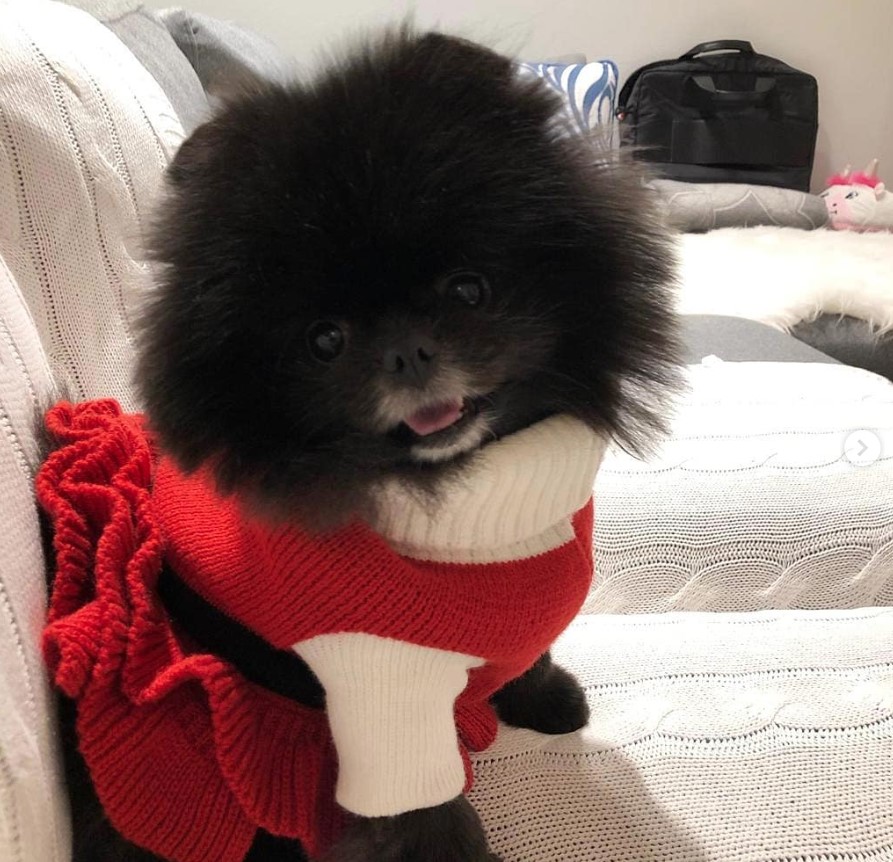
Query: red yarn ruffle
[[188, 758]]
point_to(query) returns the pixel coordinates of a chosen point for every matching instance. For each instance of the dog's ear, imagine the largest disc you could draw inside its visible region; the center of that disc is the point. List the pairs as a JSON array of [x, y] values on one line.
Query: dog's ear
[[433, 41], [196, 153], [228, 141], [466, 57]]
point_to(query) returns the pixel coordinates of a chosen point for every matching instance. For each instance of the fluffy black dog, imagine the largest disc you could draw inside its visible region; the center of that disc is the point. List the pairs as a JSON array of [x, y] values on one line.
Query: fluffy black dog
[[408, 231], [375, 274]]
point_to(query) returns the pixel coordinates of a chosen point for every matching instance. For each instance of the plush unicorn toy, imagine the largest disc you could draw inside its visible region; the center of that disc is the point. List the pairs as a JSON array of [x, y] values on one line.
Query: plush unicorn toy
[[859, 201]]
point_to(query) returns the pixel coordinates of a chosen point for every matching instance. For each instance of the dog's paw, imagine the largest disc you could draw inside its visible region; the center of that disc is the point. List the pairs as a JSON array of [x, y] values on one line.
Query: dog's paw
[[451, 832], [547, 699], [558, 706]]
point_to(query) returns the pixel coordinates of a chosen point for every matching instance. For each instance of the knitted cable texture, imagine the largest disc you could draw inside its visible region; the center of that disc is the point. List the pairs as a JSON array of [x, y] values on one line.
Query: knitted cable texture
[[772, 492], [759, 737], [85, 135], [33, 813], [188, 758]]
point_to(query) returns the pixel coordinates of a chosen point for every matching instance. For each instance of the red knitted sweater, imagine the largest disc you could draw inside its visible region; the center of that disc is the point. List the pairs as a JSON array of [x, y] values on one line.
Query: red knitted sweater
[[188, 758]]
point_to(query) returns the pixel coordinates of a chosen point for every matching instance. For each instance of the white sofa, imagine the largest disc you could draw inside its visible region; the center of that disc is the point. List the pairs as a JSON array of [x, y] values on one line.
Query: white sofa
[[737, 647]]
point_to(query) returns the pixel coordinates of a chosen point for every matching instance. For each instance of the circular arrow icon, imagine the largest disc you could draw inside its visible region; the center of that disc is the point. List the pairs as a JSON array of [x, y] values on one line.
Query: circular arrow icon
[[862, 448]]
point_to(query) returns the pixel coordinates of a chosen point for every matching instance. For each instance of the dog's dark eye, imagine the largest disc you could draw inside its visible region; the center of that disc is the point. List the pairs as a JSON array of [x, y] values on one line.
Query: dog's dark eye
[[325, 340], [469, 288]]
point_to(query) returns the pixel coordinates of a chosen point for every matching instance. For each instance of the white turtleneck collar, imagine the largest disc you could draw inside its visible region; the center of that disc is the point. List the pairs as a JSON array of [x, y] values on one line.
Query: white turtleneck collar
[[515, 499]]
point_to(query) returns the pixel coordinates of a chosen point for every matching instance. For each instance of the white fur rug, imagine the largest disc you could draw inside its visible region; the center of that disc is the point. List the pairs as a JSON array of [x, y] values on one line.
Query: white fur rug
[[781, 275]]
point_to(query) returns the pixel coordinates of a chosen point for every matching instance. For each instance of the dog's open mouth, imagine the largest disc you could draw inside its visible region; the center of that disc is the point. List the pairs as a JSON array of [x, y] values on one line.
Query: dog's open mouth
[[442, 416], [435, 417], [443, 430]]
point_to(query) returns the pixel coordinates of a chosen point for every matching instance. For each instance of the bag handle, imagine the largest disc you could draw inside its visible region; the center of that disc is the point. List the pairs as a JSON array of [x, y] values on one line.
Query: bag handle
[[720, 45], [761, 91]]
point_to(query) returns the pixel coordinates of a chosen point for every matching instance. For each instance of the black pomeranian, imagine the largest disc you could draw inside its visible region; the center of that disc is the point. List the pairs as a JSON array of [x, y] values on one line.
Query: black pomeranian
[[383, 270], [375, 275]]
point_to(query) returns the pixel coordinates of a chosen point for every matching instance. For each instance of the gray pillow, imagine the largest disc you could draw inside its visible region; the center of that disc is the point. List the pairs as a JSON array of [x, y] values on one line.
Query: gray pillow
[[148, 39], [697, 207], [223, 54]]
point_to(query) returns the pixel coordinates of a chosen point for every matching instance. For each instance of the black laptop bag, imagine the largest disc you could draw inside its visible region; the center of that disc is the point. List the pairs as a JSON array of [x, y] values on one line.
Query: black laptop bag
[[736, 116]]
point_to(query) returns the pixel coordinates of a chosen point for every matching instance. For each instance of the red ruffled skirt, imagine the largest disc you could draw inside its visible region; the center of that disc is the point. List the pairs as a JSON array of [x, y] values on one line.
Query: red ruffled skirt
[[188, 757]]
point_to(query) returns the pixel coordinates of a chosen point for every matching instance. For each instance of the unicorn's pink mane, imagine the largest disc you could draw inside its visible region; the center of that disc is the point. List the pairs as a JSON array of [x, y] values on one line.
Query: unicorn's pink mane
[[868, 177]]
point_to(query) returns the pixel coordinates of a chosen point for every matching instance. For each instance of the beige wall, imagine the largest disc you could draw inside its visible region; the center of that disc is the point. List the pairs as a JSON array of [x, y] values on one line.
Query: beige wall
[[846, 44]]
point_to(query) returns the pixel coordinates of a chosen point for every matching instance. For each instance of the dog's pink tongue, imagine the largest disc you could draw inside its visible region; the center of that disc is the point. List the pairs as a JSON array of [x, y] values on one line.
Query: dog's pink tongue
[[435, 418]]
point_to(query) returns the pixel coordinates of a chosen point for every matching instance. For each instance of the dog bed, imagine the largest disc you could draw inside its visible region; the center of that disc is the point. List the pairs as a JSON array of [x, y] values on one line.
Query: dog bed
[[782, 276], [831, 289]]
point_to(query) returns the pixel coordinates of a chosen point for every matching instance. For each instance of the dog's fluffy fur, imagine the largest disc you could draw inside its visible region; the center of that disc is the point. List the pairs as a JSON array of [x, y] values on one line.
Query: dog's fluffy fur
[[352, 199], [418, 201]]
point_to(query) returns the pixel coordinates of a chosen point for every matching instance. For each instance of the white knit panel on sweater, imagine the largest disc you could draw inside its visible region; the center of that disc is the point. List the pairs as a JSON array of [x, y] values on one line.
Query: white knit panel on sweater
[[714, 738], [391, 704], [85, 133], [759, 500], [33, 815]]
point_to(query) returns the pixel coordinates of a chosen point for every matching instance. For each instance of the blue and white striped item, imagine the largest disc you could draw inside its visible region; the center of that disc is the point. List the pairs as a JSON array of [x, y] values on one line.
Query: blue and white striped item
[[587, 89]]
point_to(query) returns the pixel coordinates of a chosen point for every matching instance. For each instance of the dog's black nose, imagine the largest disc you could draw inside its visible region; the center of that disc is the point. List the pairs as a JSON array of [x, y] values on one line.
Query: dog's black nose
[[412, 359]]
